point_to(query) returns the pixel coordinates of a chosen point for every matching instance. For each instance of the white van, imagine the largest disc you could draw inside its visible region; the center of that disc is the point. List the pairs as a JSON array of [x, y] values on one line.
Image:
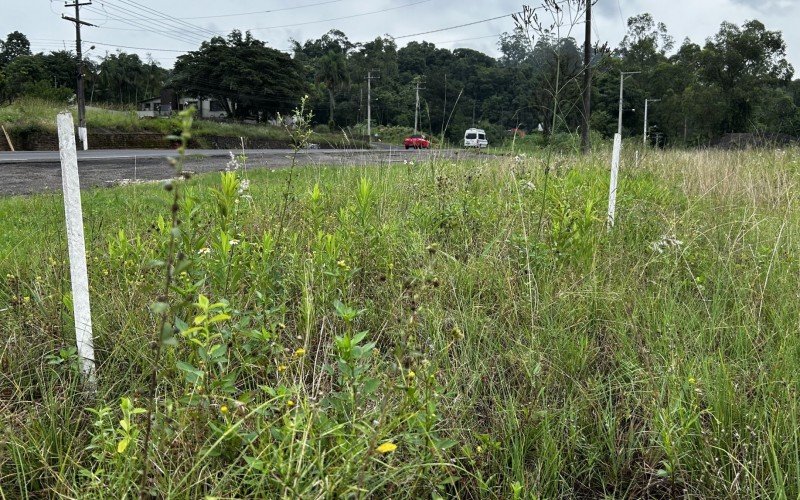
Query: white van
[[475, 138]]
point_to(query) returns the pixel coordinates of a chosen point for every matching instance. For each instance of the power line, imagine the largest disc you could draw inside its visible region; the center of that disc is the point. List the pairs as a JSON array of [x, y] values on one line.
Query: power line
[[135, 48], [143, 27], [167, 27], [473, 38], [266, 11], [454, 27], [340, 18], [164, 17]]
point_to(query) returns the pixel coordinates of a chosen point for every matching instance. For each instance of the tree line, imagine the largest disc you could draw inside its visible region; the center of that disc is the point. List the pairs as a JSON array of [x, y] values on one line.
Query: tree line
[[738, 80]]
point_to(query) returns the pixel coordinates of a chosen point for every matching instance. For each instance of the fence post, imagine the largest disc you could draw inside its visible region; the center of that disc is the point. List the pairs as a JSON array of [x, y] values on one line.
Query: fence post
[[73, 214], [612, 189]]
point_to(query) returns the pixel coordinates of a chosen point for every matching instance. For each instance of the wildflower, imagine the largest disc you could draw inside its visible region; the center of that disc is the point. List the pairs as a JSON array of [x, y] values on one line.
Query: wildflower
[[282, 368], [664, 243], [204, 251], [290, 403], [386, 447], [410, 375], [692, 380], [234, 242], [233, 164], [299, 353], [26, 299], [244, 186], [223, 409]]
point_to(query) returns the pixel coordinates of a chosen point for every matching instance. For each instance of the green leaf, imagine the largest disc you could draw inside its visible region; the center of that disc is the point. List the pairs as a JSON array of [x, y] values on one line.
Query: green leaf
[[123, 445], [159, 307]]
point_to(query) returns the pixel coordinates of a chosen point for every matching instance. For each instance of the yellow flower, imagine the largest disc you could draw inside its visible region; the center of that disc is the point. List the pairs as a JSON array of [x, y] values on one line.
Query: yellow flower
[[26, 299], [282, 368], [386, 447], [290, 403], [411, 374], [692, 380], [299, 353], [223, 409]]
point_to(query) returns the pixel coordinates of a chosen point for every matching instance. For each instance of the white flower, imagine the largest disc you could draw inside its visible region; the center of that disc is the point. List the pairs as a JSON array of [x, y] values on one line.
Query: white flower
[[244, 186], [233, 164], [665, 242], [204, 251], [234, 242]]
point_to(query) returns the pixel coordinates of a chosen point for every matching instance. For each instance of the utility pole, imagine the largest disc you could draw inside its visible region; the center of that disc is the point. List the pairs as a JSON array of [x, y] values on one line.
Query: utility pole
[[644, 140], [82, 134], [416, 109], [586, 144], [622, 75], [369, 104]]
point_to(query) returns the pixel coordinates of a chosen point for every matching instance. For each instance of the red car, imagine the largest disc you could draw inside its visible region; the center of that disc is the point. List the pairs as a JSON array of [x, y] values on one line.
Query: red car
[[417, 141]]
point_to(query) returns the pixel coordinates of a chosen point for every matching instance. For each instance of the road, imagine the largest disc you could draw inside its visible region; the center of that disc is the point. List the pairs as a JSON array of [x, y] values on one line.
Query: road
[[130, 154], [29, 172]]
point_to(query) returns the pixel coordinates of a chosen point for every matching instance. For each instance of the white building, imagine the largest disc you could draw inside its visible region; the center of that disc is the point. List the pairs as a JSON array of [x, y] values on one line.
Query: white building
[[168, 104]]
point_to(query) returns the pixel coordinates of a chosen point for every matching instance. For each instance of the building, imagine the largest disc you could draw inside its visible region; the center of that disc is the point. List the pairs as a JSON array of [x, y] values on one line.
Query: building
[[169, 103]]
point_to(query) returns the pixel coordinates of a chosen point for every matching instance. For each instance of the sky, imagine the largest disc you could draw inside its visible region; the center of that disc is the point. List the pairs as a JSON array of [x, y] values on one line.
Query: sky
[[177, 26]]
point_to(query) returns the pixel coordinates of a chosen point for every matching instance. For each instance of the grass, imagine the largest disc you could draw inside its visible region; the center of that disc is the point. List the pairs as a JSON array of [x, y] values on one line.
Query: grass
[[324, 320], [29, 114]]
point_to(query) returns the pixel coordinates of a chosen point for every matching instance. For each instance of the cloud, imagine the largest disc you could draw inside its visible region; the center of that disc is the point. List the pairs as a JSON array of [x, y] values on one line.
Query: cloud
[[767, 6]]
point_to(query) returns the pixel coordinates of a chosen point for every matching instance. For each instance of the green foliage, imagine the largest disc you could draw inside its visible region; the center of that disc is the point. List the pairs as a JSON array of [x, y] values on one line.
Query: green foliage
[[412, 335], [242, 73]]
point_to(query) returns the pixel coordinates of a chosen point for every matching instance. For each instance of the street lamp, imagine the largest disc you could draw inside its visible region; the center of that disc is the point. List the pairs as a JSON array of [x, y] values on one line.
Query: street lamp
[[644, 140], [622, 75]]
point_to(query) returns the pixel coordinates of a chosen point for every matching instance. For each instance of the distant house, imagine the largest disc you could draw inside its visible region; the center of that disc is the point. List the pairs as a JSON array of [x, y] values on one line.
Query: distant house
[[169, 103]]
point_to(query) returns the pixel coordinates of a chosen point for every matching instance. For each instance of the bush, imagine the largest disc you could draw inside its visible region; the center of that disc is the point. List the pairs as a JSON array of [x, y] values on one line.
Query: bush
[[322, 129]]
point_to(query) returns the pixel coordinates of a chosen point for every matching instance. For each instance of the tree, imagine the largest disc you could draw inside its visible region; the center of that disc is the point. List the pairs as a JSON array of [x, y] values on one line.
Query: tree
[[16, 45], [332, 72], [745, 62], [247, 77]]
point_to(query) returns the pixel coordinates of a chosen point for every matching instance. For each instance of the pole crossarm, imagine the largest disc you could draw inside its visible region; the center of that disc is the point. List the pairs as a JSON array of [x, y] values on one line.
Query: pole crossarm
[[77, 21]]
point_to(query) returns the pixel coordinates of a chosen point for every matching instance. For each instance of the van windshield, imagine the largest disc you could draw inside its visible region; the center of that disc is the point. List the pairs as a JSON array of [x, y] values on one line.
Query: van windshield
[[471, 136], [481, 136]]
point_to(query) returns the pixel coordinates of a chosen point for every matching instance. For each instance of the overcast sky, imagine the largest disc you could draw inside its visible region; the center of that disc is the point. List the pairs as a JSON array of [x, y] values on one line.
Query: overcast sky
[[361, 20]]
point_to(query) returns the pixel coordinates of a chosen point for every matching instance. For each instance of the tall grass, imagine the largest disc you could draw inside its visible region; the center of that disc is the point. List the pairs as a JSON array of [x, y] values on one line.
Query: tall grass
[[36, 114], [411, 336]]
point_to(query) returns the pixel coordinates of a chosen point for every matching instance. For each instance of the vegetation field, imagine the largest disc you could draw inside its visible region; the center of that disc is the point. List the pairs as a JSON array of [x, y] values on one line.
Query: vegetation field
[[27, 115], [423, 330]]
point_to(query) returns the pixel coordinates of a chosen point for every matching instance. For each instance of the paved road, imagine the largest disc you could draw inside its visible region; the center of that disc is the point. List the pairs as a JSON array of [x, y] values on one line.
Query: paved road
[[31, 172], [124, 154]]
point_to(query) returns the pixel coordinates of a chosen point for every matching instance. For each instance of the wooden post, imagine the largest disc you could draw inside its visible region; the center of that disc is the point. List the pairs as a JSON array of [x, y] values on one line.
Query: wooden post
[[75, 241], [8, 139], [612, 189]]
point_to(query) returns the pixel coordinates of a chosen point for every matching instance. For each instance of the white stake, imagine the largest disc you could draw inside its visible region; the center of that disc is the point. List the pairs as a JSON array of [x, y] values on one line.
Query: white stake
[[77, 247], [612, 189]]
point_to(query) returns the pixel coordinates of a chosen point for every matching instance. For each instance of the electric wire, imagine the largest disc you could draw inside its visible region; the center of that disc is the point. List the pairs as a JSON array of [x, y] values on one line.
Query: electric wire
[[453, 27]]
